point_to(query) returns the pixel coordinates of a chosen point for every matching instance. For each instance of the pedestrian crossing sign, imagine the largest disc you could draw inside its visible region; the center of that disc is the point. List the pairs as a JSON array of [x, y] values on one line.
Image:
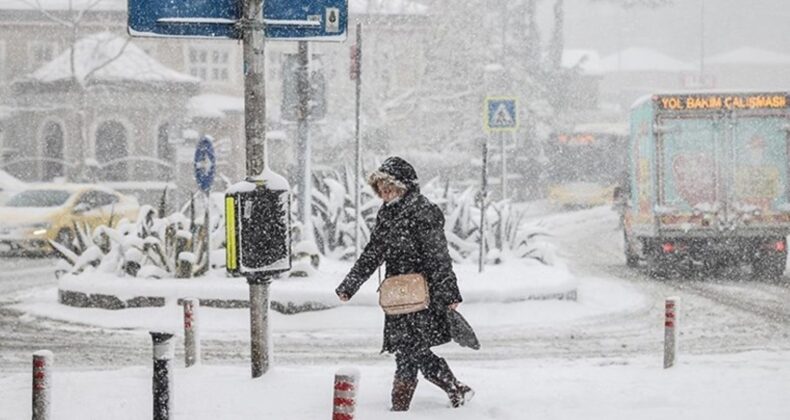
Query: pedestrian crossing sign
[[500, 114]]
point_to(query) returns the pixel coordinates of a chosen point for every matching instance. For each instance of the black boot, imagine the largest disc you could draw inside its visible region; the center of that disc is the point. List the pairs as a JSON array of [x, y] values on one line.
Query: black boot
[[462, 395], [402, 392], [441, 376]]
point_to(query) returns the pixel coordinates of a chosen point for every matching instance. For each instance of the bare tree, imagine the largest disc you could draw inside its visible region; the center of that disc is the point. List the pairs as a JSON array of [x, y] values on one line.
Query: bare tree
[[75, 19]]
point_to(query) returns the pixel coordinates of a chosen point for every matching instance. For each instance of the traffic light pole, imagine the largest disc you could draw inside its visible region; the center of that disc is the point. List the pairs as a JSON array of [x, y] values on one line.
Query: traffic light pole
[[357, 72], [255, 133], [303, 140]]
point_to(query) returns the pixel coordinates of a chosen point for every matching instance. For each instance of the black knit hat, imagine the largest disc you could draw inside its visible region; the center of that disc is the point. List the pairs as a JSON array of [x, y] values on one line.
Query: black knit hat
[[396, 171]]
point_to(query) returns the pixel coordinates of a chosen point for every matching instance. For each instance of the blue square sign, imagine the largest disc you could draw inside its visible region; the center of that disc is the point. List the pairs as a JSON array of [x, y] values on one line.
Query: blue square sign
[[500, 114]]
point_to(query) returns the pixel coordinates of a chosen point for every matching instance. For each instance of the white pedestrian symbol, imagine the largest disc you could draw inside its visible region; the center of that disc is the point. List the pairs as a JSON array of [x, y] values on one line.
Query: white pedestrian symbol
[[204, 165], [502, 117]]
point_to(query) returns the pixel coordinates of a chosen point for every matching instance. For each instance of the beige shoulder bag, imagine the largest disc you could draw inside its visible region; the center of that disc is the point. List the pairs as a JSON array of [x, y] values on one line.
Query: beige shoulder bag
[[404, 294]]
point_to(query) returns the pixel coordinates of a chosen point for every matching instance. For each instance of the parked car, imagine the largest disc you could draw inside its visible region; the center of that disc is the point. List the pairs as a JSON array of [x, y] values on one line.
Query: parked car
[[44, 212], [9, 185]]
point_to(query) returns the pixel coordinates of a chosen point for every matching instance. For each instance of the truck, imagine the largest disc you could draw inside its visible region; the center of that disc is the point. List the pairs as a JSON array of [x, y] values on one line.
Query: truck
[[706, 184]]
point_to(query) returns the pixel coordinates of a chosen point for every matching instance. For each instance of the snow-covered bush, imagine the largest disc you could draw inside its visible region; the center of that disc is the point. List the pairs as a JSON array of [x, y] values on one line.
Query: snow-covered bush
[[506, 234], [152, 246], [333, 212]]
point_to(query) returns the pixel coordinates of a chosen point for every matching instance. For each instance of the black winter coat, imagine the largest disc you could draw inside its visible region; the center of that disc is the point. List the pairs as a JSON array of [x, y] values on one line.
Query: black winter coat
[[409, 237]]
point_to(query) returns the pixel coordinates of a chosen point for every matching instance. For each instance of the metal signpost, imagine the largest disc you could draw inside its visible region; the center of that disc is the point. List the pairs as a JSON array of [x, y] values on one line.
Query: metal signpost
[[500, 114], [250, 21], [205, 168], [355, 73]]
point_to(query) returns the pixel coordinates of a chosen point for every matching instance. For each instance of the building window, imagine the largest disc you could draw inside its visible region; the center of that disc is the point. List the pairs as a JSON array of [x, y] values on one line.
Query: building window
[[209, 64], [111, 148], [53, 151], [40, 53]]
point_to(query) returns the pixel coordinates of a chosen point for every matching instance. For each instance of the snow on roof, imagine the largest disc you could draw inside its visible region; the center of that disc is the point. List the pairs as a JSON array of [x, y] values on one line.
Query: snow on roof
[[588, 60], [77, 5], [386, 7], [748, 55], [10, 182], [642, 59], [214, 106], [102, 49]]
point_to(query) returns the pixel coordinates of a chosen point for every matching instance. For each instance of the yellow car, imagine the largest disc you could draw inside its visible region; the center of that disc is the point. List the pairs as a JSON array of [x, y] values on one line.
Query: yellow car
[[581, 194], [44, 212]]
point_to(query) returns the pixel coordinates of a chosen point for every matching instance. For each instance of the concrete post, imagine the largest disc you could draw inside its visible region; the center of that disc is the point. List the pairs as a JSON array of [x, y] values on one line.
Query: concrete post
[[191, 332], [670, 331], [42, 384], [163, 375], [346, 383]]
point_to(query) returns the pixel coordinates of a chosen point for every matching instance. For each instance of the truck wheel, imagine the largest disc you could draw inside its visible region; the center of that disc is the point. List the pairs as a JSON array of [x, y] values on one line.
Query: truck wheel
[[657, 267], [770, 269], [631, 259]]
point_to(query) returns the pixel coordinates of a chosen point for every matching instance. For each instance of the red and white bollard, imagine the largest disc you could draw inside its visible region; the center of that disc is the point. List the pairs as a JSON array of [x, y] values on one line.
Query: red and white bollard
[[345, 399], [670, 331], [191, 332], [42, 384]]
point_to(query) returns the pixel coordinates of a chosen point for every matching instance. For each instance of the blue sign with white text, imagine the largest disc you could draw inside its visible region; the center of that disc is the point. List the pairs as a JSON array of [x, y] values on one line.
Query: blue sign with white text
[[310, 20], [185, 18], [205, 163]]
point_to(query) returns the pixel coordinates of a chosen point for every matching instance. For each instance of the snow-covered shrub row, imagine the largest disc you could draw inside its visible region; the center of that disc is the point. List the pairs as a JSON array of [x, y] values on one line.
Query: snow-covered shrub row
[[333, 212], [151, 246], [163, 247], [507, 236]]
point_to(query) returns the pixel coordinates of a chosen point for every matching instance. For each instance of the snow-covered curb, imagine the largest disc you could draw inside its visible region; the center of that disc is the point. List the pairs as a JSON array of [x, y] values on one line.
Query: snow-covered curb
[[518, 280]]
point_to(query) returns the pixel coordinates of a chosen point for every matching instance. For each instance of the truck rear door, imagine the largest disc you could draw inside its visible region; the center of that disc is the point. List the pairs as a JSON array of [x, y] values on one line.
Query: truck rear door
[[689, 165], [759, 193]]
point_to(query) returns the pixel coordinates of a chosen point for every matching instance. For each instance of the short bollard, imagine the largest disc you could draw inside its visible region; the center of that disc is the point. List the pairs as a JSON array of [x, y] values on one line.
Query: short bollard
[[346, 383], [191, 332], [163, 375], [42, 381], [670, 331]]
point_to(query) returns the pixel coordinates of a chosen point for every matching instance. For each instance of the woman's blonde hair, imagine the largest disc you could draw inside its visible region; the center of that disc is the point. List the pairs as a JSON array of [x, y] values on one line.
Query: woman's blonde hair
[[377, 178]]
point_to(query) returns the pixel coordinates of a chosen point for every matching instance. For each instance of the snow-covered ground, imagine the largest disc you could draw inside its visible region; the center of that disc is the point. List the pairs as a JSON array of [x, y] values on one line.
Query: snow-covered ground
[[748, 385], [599, 357]]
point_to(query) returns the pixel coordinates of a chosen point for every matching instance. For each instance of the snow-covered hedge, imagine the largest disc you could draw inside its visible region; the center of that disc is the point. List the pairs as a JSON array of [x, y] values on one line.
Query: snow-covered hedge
[[151, 246], [506, 234]]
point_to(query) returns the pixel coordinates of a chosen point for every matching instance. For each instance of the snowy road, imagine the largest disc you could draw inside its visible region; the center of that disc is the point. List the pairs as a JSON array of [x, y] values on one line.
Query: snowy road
[[20, 335], [719, 315], [722, 314]]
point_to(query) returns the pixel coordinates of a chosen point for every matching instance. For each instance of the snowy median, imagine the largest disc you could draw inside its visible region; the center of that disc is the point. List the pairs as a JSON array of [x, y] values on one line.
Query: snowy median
[[519, 280]]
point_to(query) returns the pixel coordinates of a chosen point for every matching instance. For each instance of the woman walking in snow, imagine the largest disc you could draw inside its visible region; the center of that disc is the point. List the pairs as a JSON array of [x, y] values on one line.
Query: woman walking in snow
[[409, 237]]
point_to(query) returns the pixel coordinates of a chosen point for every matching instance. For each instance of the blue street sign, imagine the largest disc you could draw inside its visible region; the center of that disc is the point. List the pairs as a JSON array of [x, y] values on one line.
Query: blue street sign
[[309, 20], [500, 114], [205, 163], [185, 18]]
